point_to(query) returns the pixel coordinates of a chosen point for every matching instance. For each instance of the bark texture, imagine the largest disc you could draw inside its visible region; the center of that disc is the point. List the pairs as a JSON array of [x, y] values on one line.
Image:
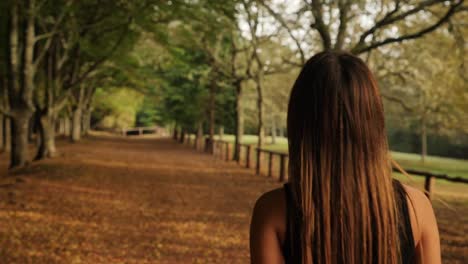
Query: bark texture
[[199, 137], [6, 134], [423, 139], [2, 147], [46, 135], [260, 109], [76, 124], [239, 123], [19, 140], [211, 127]]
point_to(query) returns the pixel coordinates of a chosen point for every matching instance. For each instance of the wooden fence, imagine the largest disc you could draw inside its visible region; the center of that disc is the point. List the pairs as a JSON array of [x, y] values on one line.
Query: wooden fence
[[140, 131], [274, 163]]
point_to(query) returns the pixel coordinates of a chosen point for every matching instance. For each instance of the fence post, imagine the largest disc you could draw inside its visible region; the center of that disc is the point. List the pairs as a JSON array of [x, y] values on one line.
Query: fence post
[[215, 148], [429, 185], [282, 167], [238, 150], [270, 164], [208, 145], [258, 163], [247, 156], [228, 146]]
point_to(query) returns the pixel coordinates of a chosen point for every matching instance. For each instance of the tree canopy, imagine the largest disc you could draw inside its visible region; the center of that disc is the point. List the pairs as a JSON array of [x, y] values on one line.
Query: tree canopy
[[207, 65]]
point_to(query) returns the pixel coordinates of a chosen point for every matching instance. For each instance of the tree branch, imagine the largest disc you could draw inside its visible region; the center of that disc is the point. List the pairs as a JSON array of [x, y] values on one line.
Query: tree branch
[[361, 49], [49, 35], [61, 101], [319, 24], [277, 71], [101, 60], [399, 101], [283, 23], [343, 6]]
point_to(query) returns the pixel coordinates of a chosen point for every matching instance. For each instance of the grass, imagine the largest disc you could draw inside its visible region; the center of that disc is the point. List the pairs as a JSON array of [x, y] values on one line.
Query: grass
[[434, 164]]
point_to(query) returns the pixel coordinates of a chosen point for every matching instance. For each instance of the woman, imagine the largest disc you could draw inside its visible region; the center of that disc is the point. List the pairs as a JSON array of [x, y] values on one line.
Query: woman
[[341, 204]]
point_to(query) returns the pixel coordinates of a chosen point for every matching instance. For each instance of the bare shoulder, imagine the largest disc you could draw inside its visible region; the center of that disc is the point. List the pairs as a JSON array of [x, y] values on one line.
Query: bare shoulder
[[416, 196], [424, 225], [418, 200], [270, 209], [267, 228], [420, 211]]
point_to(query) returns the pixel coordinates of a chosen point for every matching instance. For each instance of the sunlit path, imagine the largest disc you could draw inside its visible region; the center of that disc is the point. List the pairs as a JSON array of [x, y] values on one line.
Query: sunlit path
[[142, 200]]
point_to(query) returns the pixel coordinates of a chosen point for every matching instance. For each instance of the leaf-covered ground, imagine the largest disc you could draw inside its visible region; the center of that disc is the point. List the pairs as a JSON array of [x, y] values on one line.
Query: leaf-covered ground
[[146, 200]]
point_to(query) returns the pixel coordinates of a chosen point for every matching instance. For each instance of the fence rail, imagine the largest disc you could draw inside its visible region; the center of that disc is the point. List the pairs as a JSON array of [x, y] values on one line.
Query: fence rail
[[264, 161], [139, 130]]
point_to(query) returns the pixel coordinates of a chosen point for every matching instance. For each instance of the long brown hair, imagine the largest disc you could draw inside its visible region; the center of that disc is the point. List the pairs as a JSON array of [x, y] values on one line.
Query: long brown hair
[[340, 169]]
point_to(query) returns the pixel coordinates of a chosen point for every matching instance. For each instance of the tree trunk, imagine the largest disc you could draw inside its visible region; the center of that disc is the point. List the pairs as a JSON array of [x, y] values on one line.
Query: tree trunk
[[212, 105], [76, 124], [2, 146], [260, 129], [77, 112], [5, 137], [61, 126], [66, 126], [46, 135], [182, 135], [32, 128], [221, 132], [239, 123], [86, 121], [199, 137], [21, 72], [178, 133], [6, 134], [19, 140], [273, 130], [281, 132], [174, 132], [423, 139]]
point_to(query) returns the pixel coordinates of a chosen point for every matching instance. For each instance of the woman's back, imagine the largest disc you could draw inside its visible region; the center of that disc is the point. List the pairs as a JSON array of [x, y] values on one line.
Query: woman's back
[[273, 239]]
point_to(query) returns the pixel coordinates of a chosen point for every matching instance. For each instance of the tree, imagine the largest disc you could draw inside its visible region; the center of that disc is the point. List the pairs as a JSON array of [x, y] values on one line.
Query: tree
[[341, 25], [72, 60], [185, 93], [211, 30], [21, 69], [426, 85], [265, 55]]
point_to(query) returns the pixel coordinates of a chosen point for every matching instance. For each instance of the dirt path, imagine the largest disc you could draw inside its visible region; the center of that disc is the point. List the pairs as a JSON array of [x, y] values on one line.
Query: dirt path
[[114, 200], [128, 201]]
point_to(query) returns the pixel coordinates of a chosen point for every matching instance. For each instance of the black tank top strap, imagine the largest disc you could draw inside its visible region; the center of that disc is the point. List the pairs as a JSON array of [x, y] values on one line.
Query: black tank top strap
[[407, 247]]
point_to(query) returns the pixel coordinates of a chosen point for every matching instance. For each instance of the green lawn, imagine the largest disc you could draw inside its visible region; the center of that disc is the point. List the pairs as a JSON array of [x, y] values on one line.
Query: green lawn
[[434, 164]]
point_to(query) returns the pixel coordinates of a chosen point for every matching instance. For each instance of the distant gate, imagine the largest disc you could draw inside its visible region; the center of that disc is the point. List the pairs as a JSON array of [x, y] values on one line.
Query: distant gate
[[138, 131]]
